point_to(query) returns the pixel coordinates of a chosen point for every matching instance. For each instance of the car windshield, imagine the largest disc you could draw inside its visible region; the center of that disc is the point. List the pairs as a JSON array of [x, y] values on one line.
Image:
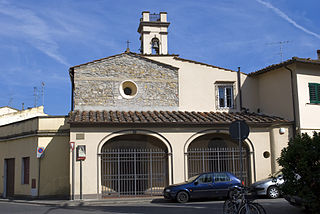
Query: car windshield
[[192, 178]]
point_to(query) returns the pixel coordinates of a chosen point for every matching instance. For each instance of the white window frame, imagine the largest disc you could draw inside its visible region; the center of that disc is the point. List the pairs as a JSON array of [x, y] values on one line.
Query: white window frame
[[225, 86]]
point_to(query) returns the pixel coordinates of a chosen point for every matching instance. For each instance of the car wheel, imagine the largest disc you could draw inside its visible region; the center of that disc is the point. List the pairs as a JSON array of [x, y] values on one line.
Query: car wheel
[[273, 192], [182, 197]]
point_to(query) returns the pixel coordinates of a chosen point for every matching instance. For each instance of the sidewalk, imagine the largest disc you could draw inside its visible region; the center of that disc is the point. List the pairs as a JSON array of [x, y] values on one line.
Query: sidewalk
[[85, 202]]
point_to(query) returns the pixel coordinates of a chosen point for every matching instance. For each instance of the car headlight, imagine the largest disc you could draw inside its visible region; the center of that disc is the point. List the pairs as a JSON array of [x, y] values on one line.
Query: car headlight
[[168, 190]]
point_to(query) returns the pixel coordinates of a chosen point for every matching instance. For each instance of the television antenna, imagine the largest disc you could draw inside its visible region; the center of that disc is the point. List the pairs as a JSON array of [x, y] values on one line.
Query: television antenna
[[281, 43], [10, 101], [42, 92], [35, 94]]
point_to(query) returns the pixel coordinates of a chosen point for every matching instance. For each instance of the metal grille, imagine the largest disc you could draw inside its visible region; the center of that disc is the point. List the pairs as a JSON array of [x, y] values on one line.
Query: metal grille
[[133, 172], [218, 160]]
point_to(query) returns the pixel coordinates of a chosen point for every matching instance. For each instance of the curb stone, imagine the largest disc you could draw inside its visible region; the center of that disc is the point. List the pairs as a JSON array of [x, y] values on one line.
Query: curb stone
[[87, 202]]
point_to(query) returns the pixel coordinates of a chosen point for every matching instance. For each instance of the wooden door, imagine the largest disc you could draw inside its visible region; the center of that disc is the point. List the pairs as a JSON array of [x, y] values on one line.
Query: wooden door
[[10, 177]]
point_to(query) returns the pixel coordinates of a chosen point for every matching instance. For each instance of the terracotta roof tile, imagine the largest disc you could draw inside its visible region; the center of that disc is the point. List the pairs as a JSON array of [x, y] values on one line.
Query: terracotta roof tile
[[285, 63], [169, 117], [201, 63]]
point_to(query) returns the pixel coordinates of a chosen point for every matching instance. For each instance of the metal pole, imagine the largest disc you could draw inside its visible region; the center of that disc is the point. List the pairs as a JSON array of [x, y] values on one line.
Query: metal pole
[[240, 145], [119, 172], [135, 172], [151, 172], [39, 178], [239, 88], [80, 179], [72, 182]]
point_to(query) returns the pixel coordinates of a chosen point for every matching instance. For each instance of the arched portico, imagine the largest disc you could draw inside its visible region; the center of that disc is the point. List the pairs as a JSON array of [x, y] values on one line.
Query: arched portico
[[134, 162], [214, 150]]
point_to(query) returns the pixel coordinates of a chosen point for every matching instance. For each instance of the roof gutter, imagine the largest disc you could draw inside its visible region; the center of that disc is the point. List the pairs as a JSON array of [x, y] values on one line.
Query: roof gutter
[[293, 102]]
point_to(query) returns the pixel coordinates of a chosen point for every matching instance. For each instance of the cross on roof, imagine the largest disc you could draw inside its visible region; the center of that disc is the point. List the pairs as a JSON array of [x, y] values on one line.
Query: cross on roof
[[128, 49]]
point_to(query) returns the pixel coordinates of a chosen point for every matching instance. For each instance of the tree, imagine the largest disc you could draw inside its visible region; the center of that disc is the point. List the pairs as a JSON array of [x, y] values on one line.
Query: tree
[[301, 169]]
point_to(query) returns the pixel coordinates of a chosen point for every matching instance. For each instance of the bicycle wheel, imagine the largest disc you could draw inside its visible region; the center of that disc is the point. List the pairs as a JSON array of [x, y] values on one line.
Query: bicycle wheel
[[260, 207], [229, 207], [249, 208]]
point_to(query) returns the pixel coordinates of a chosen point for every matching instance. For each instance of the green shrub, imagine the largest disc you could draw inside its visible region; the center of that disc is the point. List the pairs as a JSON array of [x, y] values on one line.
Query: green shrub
[[301, 169]]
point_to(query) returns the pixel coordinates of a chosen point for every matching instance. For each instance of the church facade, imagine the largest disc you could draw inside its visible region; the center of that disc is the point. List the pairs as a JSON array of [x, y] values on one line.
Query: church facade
[[152, 119]]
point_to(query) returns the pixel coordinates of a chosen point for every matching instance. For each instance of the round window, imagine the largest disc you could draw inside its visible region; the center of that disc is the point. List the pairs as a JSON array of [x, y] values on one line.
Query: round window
[[266, 154], [128, 89]]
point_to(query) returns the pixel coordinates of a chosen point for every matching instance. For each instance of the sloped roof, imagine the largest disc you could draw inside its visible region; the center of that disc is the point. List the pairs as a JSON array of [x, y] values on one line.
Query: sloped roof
[[169, 118], [125, 53], [285, 63], [201, 63], [176, 57], [142, 56]]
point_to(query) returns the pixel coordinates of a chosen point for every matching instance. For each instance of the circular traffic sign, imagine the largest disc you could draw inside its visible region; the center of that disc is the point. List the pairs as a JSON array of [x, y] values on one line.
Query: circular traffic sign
[[40, 150], [239, 130]]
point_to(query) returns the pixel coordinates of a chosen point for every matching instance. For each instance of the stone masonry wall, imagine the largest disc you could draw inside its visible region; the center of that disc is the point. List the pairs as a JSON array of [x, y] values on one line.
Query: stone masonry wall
[[97, 85]]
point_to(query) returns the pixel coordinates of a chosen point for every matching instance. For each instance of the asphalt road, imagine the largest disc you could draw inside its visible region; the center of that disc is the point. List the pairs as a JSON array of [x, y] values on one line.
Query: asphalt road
[[157, 206]]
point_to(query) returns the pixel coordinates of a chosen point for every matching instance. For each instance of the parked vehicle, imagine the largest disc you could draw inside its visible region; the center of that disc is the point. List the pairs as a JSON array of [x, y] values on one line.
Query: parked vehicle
[[205, 185], [269, 186]]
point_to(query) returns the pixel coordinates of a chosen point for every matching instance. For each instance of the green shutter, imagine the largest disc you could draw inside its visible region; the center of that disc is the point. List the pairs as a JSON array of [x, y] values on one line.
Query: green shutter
[[314, 92], [318, 93]]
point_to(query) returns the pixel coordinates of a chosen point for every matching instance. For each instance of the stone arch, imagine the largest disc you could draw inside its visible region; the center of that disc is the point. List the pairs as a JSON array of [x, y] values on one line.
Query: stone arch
[[134, 131], [218, 152], [134, 162]]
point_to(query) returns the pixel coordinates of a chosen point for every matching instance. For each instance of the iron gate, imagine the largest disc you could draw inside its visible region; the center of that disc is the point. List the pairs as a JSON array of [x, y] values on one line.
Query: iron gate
[[133, 172], [218, 160]]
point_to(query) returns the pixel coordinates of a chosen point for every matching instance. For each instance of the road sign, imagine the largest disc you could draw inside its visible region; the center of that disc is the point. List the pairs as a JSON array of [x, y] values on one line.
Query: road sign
[[40, 151], [239, 130], [81, 152], [72, 146]]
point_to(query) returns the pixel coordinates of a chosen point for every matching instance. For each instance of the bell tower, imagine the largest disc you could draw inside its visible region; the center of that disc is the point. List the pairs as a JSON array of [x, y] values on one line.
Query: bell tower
[[153, 29]]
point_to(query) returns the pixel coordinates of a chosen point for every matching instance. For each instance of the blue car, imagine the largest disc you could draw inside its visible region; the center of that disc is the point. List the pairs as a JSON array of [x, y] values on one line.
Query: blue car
[[205, 185]]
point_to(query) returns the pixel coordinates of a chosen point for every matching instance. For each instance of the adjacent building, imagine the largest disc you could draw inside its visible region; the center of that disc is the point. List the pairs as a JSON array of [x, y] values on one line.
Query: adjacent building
[[291, 90], [22, 174]]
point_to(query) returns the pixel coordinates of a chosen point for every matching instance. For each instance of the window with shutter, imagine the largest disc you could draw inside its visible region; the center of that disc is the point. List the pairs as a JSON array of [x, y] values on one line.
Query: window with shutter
[[314, 92]]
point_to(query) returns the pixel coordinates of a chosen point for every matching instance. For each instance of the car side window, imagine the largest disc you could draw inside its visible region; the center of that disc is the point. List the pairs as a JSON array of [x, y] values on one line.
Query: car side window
[[221, 177], [205, 178]]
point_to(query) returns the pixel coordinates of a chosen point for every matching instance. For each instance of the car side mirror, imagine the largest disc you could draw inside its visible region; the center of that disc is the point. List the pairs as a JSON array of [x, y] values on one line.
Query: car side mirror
[[274, 180], [196, 183]]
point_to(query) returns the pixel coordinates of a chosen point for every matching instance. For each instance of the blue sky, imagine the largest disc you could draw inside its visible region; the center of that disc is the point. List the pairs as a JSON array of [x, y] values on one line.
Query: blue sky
[[40, 40]]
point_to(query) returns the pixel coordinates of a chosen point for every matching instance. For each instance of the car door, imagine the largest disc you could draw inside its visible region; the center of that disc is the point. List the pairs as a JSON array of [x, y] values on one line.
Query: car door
[[202, 186], [221, 184]]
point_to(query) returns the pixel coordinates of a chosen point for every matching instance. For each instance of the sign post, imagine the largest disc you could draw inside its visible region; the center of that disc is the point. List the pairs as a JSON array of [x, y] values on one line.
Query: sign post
[[40, 151], [239, 130], [72, 144], [81, 156]]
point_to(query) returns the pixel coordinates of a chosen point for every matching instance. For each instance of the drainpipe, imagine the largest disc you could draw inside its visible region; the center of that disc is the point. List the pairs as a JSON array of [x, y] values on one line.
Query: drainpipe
[[71, 73], [239, 88], [293, 103]]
